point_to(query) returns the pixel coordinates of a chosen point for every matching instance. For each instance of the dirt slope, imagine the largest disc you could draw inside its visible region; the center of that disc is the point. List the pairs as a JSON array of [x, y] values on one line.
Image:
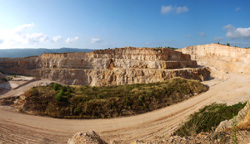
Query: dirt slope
[[37, 129]]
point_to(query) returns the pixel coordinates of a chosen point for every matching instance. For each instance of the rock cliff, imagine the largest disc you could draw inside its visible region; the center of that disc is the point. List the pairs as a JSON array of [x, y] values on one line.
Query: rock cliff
[[223, 58], [108, 67]]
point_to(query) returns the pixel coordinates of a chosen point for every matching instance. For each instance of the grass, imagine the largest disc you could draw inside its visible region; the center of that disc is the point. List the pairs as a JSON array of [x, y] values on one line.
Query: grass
[[235, 131], [208, 118], [108, 101]]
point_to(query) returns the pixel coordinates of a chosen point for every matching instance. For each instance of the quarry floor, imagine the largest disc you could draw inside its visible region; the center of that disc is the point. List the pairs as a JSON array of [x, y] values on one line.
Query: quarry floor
[[22, 128]]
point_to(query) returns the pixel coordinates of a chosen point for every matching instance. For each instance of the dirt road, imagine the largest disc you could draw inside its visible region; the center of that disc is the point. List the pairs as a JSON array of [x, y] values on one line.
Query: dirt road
[[22, 128]]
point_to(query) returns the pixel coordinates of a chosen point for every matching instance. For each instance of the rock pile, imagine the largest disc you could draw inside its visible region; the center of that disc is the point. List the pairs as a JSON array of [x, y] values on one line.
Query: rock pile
[[89, 137]]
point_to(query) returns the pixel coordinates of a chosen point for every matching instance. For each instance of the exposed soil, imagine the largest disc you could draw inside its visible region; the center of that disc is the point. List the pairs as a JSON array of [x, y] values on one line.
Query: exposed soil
[[19, 128]]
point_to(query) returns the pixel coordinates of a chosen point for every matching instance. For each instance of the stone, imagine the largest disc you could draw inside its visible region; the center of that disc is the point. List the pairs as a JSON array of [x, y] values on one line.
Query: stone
[[244, 114], [242, 120], [89, 137], [108, 67], [224, 58]]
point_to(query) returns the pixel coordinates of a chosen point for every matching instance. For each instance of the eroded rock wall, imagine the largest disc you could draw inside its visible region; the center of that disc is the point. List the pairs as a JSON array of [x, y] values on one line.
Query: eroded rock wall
[[221, 57], [108, 67], [120, 76]]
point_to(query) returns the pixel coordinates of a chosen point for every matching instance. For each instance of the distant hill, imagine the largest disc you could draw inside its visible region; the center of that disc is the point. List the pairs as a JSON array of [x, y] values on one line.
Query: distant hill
[[13, 53]]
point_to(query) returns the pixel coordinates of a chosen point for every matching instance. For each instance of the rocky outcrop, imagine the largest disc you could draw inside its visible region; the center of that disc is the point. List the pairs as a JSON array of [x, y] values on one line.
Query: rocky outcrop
[[242, 120], [108, 67], [89, 137], [244, 117], [245, 122], [221, 57]]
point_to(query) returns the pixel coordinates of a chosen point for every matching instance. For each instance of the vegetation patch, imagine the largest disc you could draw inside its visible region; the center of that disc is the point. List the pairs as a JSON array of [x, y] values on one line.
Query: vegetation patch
[[108, 101], [8, 101], [9, 78], [208, 118]]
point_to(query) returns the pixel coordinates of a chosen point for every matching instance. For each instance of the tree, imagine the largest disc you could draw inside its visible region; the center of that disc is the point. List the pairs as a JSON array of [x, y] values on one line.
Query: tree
[[228, 44], [218, 42]]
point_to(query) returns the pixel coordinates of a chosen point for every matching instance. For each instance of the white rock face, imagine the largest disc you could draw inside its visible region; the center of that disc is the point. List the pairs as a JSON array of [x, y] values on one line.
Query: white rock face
[[108, 67], [221, 57]]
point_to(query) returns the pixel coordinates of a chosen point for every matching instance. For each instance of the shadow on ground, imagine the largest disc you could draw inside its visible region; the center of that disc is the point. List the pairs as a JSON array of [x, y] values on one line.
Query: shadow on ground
[[4, 88]]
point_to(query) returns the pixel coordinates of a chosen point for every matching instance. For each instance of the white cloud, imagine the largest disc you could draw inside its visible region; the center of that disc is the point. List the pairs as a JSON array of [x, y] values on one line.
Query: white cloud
[[229, 27], [182, 9], [20, 35], [188, 36], [95, 40], [56, 38], [168, 9], [237, 9], [23, 28], [234, 33], [202, 34], [69, 40], [35, 38]]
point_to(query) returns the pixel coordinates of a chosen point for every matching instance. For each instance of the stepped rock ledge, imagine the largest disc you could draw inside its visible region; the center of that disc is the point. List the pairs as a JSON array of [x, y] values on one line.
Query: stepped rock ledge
[[127, 65], [223, 58]]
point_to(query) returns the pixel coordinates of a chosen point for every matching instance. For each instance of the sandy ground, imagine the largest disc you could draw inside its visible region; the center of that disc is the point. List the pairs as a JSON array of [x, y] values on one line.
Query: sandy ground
[[17, 88], [22, 128]]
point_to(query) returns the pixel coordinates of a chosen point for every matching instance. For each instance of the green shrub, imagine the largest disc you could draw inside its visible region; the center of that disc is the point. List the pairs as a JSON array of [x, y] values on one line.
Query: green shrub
[[4, 79], [59, 96], [56, 86], [8, 78], [235, 131], [208, 118], [68, 89], [110, 101]]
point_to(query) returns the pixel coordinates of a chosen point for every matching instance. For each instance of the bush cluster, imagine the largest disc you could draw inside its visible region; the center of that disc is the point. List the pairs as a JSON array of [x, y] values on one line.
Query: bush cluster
[[109, 101], [208, 118]]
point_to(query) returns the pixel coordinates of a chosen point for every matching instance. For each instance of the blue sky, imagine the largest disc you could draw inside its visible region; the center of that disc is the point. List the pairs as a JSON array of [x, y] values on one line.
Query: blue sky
[[118, 23]]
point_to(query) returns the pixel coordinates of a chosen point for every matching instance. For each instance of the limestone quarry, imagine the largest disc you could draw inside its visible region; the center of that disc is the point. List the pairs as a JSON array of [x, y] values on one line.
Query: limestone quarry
[[230, 82], [108, 67], [223, 58]]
